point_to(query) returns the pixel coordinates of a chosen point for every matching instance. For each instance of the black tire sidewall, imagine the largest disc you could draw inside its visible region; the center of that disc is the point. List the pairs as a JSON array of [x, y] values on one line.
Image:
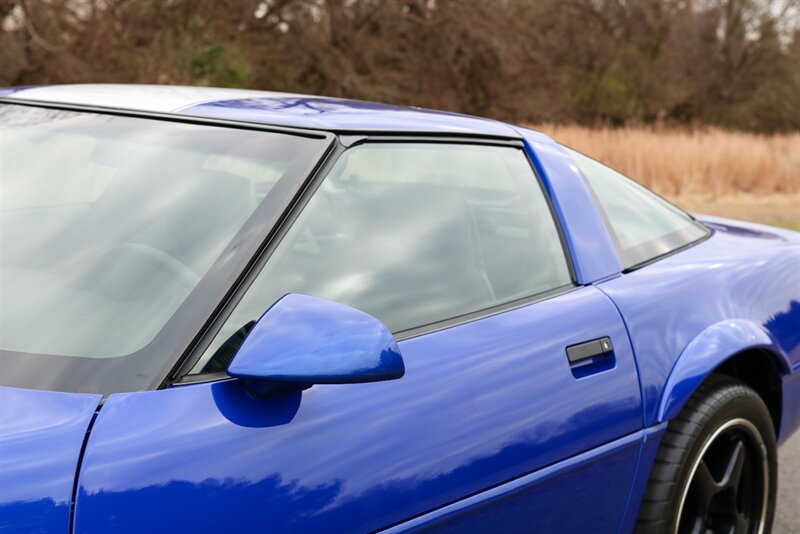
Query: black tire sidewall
[[742, 403]]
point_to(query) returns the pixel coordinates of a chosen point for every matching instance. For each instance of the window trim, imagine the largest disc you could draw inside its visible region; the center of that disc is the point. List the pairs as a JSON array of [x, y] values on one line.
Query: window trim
[[654, 259], [484, 313], [182, 373], [169, 117], [620, 251]]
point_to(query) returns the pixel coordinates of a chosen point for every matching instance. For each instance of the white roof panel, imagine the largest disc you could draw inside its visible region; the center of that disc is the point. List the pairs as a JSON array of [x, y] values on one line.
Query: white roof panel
[[158, 98]]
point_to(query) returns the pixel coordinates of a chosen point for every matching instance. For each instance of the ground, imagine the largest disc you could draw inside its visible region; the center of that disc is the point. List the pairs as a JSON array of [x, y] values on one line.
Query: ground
[[787, 513]]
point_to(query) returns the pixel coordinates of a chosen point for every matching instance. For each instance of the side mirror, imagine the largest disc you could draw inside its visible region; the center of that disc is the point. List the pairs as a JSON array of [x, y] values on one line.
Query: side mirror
[[302, 340]]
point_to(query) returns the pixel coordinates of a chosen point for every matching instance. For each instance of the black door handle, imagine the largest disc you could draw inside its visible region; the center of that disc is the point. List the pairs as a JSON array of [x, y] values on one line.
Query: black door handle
[[590, 349]]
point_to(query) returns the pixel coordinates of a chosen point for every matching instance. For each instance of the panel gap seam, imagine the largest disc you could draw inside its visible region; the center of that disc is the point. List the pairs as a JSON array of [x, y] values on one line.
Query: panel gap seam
[[75, 481]]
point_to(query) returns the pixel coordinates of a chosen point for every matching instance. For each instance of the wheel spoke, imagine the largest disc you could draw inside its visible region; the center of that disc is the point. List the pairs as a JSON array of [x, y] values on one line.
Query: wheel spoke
[[698, 527], [733, 470], [702, 491], [742, 524], [704, 481]]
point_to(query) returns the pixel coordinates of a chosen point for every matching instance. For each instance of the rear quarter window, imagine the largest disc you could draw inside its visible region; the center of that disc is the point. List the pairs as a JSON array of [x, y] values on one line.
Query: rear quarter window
[[642, 225]]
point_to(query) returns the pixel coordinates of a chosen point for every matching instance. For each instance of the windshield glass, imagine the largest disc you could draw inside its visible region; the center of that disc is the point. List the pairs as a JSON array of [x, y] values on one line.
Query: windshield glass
[[107, 225]]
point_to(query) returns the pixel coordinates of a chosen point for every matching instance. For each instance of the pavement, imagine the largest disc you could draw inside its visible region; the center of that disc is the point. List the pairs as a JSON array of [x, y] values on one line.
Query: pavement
[[787, 511]]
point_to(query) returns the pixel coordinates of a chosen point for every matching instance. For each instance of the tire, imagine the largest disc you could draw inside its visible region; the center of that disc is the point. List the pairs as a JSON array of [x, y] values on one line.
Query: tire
[[724, 429]]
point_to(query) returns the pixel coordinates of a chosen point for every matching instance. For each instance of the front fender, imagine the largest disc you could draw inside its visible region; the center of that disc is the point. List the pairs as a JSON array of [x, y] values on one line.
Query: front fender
[[706, 351]]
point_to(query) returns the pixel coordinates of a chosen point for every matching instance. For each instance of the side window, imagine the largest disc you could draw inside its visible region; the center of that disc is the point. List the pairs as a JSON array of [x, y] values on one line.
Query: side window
[[644, 226], [413, 234]]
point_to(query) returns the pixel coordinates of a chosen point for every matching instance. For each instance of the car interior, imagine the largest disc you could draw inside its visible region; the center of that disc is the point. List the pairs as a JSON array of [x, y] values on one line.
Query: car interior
[[409, 244]]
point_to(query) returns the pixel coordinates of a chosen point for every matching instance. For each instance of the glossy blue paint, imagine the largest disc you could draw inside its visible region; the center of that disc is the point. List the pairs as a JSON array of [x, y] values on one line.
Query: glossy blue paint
[[709, 349], [305, 340], [651, 439], [743, 274], [506, 508], [593, 254], [41, 435], [341, 115], [480, 404]]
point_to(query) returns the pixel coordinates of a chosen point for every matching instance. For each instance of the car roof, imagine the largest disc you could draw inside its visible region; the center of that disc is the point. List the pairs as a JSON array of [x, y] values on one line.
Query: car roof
[[265, 107]]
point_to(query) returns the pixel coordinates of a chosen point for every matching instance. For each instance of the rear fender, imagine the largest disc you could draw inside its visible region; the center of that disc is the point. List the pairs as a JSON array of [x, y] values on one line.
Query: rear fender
[[707, 351]]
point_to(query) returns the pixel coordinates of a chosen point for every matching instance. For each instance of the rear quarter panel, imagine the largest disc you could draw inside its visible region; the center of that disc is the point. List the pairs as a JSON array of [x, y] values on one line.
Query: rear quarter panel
[[743, 272]]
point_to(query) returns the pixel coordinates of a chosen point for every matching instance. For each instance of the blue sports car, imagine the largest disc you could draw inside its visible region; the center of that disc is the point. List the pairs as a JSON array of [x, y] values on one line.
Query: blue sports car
[[241, 311]]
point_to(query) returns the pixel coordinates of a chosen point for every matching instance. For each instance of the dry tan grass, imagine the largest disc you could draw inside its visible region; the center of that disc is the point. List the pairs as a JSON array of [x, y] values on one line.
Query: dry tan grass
[[775, 209], [732, 174]]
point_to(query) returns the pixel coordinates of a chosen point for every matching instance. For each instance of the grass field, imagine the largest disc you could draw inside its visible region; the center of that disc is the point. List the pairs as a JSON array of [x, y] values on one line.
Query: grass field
[[731, 174]]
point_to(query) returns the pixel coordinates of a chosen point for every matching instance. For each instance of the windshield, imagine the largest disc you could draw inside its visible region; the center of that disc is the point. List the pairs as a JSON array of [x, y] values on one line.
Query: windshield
[[107, 225]]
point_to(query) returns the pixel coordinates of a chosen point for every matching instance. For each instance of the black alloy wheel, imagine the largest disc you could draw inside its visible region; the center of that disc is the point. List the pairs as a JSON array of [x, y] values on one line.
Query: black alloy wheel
[[716, 467]]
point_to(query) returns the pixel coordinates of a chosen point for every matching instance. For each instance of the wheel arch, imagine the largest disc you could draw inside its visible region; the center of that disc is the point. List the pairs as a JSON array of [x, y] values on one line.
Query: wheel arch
[[739, 348]]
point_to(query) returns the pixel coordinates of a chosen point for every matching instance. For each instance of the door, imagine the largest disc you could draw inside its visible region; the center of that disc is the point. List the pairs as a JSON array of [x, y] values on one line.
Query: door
[[520, 397]]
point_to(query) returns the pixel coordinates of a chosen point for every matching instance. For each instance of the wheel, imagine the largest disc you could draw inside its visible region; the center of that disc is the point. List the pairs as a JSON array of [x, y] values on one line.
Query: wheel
[[716, 467]]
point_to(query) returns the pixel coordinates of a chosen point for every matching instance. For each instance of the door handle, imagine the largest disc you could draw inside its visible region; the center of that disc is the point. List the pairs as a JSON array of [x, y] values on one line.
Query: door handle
[[590, 349], [591, 357]]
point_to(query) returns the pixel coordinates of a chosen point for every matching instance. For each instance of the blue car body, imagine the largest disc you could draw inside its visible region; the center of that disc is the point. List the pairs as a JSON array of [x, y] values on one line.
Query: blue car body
[[489, 427]]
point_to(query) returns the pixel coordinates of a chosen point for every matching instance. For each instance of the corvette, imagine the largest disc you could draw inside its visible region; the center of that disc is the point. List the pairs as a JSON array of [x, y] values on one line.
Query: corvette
[[241, 311]]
